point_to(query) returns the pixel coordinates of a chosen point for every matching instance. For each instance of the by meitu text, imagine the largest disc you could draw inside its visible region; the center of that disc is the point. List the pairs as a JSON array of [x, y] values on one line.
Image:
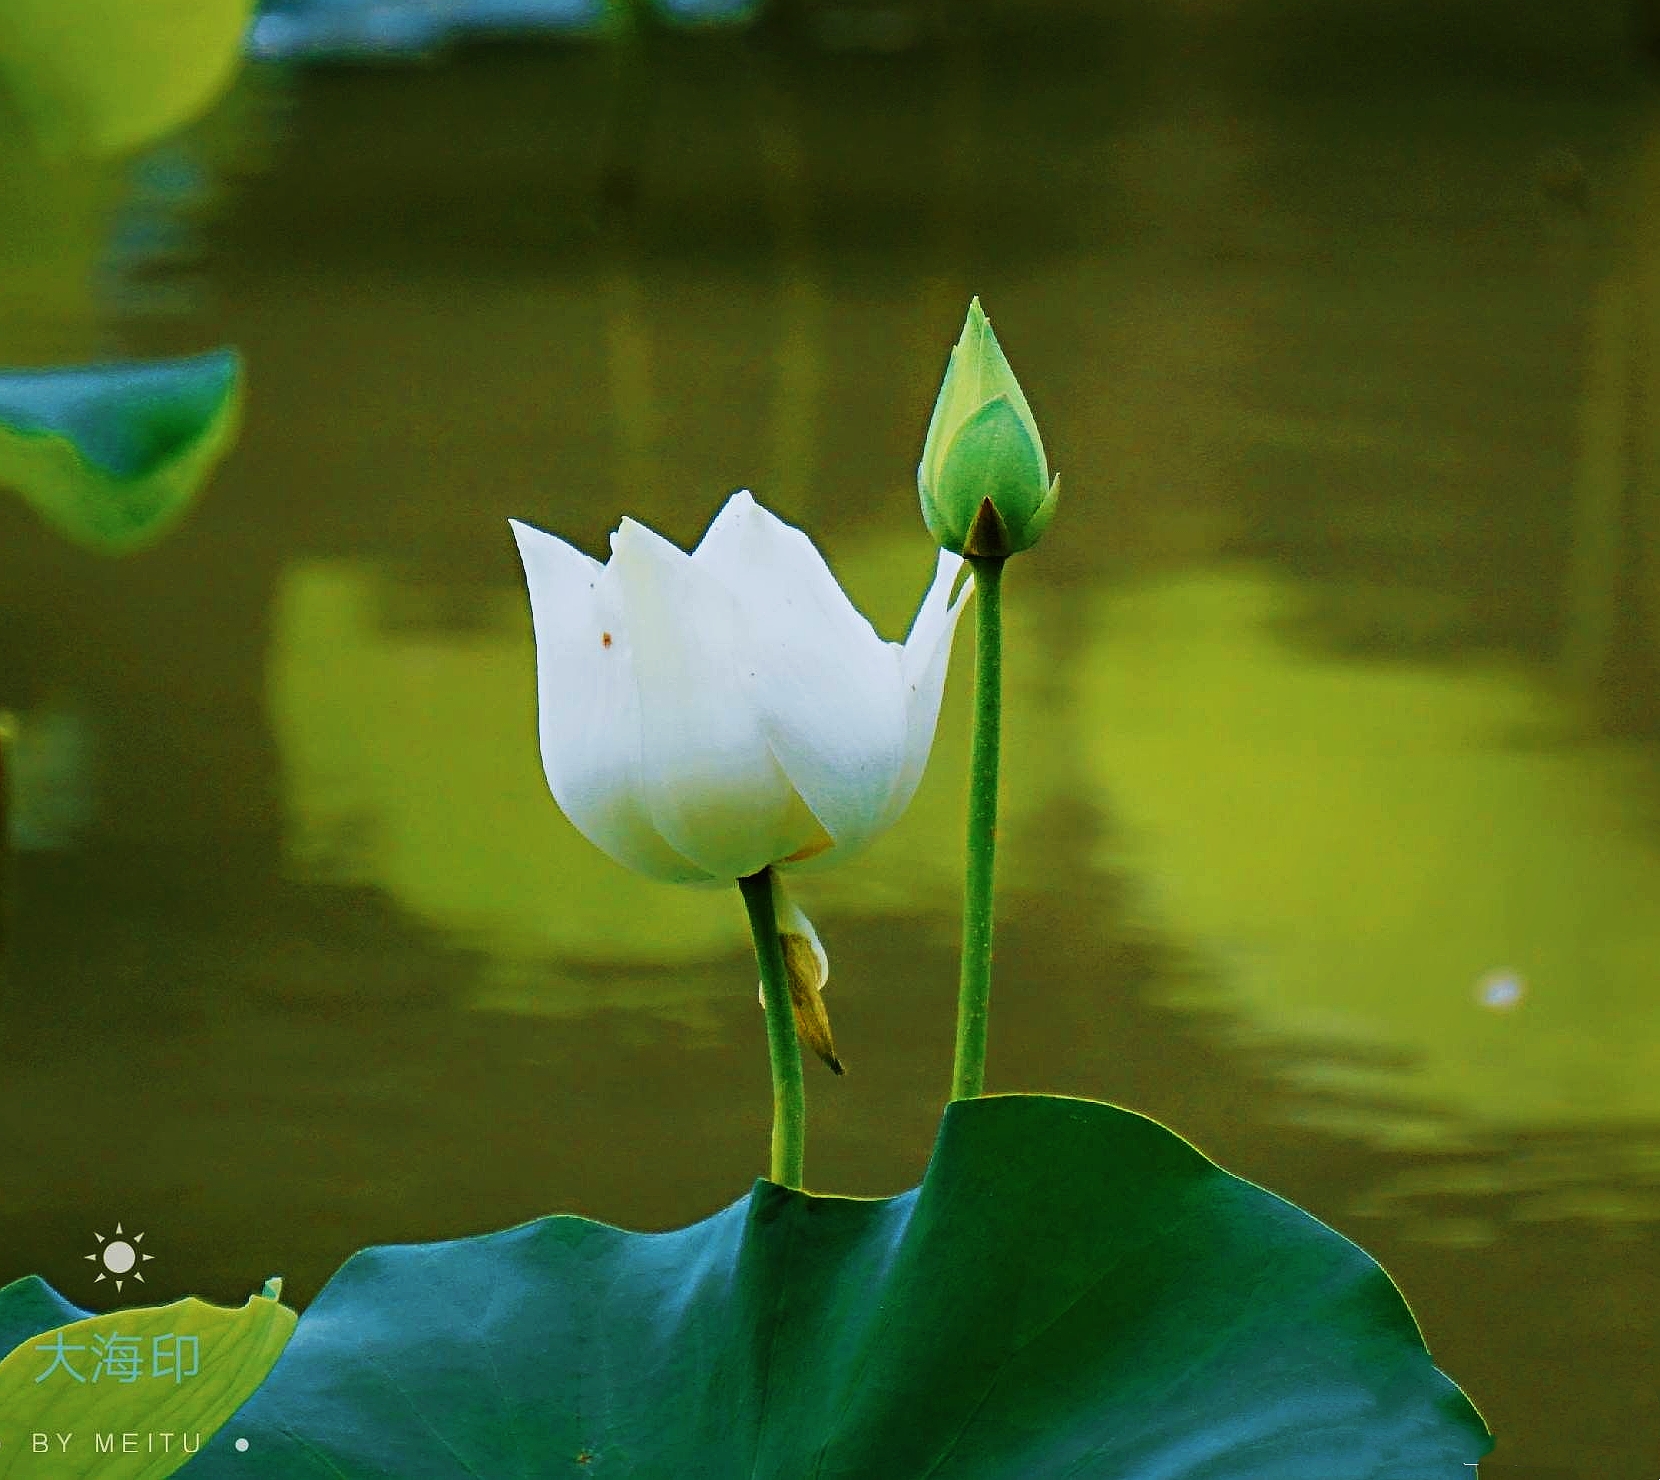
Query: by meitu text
[[112, 1442]]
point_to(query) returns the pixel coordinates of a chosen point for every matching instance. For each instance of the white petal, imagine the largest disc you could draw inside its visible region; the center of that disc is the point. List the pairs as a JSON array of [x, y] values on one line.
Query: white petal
[[588, 708], [830, 691], [711, 783], [927, 656], [767, 564]]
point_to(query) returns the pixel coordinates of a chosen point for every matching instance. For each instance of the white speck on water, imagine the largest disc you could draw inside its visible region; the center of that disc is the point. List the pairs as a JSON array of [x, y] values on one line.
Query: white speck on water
[[1500, 990]]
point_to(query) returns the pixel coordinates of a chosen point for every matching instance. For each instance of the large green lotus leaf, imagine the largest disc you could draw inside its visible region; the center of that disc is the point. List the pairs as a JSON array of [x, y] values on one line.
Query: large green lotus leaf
[[1073, 1291], [113, 454], [104, 76], [29, 1306], [177, 1370]]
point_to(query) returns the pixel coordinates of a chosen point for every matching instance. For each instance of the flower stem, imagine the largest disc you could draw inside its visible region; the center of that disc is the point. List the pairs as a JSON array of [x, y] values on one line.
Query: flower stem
[[968, 1077], [789, 1100]]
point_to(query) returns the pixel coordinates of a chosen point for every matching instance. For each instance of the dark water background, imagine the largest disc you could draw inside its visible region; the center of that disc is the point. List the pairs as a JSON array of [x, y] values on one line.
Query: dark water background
[[1331, 830]]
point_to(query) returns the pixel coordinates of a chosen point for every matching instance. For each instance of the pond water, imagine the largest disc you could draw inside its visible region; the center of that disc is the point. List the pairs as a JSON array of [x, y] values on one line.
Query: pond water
[[1332, 824]]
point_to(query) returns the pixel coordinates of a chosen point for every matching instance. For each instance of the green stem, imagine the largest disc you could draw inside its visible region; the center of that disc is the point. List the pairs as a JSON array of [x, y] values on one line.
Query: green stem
[[968, 1077], [789, 1099]]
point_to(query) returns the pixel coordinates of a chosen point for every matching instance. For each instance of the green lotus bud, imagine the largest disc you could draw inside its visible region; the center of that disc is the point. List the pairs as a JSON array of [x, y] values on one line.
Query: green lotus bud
[[983, 479]]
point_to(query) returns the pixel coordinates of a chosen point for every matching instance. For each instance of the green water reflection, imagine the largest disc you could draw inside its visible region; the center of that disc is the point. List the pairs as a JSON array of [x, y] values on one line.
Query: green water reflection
[[1330, 826], [1388, 855]]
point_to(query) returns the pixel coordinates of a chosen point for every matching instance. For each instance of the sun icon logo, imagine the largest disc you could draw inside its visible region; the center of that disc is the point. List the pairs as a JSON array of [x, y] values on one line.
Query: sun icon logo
[[119, 1257]]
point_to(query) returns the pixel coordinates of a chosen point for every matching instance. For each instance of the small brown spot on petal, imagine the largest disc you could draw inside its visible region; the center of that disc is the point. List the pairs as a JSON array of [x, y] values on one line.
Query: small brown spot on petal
[[810, 850], [605, 639]]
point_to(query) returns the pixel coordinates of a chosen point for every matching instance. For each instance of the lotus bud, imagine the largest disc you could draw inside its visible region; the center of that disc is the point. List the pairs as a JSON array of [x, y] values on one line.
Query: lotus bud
[[984, 480]]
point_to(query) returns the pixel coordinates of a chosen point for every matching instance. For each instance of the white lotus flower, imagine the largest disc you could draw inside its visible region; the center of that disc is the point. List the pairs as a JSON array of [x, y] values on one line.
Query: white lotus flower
[[705, 716]]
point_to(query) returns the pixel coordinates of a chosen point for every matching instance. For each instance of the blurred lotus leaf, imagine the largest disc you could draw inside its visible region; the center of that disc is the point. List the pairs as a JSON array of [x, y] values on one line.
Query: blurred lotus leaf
[[100, 77], [1073, 1290], [176, 1370], [706, 12], [114, 454], [397, 30], [354, 30]]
